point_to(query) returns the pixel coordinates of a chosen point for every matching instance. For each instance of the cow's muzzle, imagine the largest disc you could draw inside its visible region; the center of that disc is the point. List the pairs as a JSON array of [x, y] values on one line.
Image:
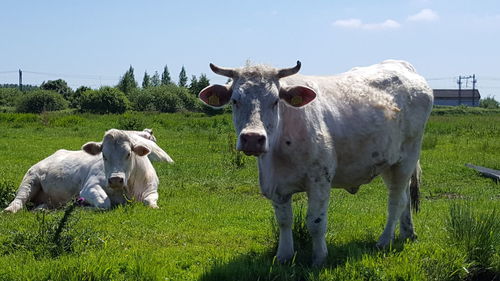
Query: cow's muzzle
[[116, 181], [252, 143]]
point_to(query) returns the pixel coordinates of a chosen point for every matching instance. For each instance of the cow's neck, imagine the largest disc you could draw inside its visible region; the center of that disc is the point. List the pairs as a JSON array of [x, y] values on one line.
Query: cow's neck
[[286, 149]]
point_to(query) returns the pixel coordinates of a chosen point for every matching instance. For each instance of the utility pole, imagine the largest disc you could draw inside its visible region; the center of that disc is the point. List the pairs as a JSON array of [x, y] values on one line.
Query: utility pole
[[459, 90], [20, 80], [473, 88], [459, 82]]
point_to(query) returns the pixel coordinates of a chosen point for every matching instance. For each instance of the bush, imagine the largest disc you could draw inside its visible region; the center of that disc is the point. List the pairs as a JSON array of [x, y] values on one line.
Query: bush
[[104, 100], [59, 86], [165, 98], [489, 103], [74, 99], [131, 122], [9, 96], [39, 101]]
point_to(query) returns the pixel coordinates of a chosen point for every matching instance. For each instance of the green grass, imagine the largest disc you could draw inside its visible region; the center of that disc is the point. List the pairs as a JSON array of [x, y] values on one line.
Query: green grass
[[214, 225]]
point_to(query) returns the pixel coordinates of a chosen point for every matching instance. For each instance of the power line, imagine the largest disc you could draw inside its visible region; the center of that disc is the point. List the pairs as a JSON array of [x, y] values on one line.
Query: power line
[[77, 76]]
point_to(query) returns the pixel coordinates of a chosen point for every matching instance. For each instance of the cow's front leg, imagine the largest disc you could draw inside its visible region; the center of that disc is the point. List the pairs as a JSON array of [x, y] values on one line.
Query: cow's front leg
[[150, 199], [96, 196], [317, 218], [284, 217]]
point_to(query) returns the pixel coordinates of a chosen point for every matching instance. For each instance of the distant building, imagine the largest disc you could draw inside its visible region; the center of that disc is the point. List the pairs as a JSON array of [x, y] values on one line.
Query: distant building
[[454, 97]]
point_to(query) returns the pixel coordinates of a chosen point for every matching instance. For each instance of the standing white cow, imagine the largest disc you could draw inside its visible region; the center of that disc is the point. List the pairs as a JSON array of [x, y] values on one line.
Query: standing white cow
[[356, 125], [104, 174]]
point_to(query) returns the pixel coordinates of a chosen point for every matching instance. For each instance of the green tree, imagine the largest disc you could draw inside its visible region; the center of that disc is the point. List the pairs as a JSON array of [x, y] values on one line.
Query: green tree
[[203, 82], [60, 86], [489, 102], [127, 83], [146, 81], [193, 85], [75, 98], [198, 84], [165, 76], [155, 80], [183, 78]]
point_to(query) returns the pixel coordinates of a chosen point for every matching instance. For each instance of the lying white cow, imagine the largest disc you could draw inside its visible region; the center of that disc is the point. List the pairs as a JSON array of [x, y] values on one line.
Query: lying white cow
[[356, 125], [146, 133], [104, 174]]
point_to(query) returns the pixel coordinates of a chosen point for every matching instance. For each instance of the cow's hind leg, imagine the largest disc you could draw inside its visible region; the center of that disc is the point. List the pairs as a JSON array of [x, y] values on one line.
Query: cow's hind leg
[[29, 188], [284, 217], [405, 221], [397, 179], [317, 218]]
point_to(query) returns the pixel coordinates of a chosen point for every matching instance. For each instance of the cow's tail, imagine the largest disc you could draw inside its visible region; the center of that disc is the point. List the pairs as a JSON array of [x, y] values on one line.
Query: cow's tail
[[30, 186], [415, 187]]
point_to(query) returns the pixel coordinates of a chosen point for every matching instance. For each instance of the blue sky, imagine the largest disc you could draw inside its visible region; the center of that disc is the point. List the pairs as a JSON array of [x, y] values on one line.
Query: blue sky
[[93, 42]]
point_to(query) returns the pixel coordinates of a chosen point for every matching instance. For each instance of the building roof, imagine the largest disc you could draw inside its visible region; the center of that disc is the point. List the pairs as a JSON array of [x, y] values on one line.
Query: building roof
[[453, 93]]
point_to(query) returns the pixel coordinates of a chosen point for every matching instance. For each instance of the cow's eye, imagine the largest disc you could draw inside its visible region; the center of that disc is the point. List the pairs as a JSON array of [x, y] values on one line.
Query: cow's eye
[[276, 103], [235, 102], [104, 158], [128, 155]]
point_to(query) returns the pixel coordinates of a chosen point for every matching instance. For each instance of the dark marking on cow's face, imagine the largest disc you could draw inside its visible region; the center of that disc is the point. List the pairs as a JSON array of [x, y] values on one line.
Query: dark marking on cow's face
[[318, 220], [375, 154], [288, 142]]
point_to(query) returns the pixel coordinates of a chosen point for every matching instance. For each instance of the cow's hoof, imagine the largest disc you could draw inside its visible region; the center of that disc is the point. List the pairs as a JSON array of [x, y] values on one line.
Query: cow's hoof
[[8, 210], [410, 237], [383, 243], [284, 258], [318, 261], [13, 208]]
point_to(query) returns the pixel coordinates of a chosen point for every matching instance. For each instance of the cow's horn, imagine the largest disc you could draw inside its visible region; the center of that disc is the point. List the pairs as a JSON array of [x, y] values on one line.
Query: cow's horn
[[289, 71], [228, 72]]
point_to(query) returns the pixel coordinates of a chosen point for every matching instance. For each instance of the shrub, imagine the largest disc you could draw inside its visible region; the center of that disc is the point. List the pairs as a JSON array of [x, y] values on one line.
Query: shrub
[[9, 96], [143, 100], [104, 100], [489, 103], [39, 101], [165, 98], [131, 122], [59, 86], [74, 99]]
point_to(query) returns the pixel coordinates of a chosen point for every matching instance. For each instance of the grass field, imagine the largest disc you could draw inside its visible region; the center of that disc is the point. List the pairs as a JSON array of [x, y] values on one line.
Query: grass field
[[214, 225]]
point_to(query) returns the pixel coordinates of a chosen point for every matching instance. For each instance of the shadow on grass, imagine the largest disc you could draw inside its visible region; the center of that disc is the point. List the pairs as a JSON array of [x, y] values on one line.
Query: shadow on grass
[[263, 266]]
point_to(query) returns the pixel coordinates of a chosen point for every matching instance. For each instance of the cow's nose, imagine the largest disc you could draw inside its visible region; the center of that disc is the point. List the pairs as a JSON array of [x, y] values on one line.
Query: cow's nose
[[253, 143], [115, 181]]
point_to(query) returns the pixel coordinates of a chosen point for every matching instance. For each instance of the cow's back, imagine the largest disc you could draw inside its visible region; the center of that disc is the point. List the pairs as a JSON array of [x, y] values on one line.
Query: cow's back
[[369, 112]]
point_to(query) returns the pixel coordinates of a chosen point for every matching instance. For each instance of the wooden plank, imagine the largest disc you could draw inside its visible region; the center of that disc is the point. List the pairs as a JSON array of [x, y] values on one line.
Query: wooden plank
[[487, 172]]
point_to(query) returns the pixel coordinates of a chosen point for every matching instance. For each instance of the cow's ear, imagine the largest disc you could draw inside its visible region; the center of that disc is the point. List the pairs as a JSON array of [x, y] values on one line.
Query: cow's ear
[[92, 148], [140, 150], [297, 96], [215, 95]]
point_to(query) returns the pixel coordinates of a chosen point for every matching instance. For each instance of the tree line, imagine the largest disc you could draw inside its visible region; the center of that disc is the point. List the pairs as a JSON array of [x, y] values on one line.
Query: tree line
[[156, 93]]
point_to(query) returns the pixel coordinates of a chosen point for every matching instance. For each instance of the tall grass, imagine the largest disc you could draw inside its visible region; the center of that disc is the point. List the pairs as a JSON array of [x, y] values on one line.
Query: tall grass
[[477, 233]]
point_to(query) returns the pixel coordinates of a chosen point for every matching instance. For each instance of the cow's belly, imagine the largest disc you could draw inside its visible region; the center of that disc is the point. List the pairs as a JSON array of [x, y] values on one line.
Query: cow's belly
[[58, 189], [359, 163], [354, 176]]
